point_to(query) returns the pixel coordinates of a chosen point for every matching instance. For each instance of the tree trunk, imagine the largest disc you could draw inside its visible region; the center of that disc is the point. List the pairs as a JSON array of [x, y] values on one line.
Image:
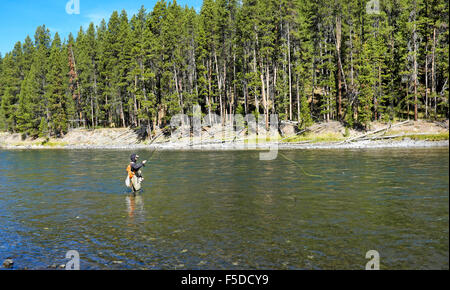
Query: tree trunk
[[219, 86], [289, 72], [415, 68], [266, 106], [339, 81], [298, 102], [224, 84], [178, 90], [245, 87], [263, 89], [122, 114], [135, 108], [96, 98], [407, 99], [433, 71], [92, 111], [209, 90], [426, 79], [144, 92], [275, 73], [351, 57], [255, 71]]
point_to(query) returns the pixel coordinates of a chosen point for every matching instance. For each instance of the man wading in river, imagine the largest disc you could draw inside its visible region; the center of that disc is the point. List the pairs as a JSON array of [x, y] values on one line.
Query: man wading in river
[[134, 177]]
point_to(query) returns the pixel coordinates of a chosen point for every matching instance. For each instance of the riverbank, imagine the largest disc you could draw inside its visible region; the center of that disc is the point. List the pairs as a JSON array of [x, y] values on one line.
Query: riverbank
[[331, 135], [231, 146]]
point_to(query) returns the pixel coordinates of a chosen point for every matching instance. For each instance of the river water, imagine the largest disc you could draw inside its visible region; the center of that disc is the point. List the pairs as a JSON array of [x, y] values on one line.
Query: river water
[[227, 210]]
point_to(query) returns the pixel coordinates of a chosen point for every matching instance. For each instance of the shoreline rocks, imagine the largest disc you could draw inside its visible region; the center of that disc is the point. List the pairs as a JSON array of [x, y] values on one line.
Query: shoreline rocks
[[175, 146], [127, 139], [8, 263]]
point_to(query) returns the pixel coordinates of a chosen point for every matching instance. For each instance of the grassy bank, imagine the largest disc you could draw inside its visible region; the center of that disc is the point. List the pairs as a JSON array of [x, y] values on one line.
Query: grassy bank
[[425, 137], [315, 138], [336, 137]]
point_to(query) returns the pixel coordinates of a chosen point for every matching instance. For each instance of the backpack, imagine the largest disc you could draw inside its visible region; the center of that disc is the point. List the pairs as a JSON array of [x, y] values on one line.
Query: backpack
[[129, 176], [130, 172]]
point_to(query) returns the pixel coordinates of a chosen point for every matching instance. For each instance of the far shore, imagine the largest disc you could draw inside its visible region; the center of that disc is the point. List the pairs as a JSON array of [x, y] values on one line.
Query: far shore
[[328, 135], [239, 146]]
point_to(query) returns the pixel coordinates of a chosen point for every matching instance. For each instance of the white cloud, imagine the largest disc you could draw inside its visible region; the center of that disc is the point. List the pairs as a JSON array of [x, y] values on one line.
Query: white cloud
[[96, 18]]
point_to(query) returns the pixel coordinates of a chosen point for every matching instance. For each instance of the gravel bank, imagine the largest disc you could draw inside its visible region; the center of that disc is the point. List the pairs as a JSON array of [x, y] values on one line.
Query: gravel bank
[[240, 146], [127, 139]]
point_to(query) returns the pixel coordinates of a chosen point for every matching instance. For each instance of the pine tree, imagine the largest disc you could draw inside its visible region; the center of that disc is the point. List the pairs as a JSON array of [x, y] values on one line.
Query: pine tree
[[56, 88], [111, 72], [11, 80], [136, 78], [27, 111], [42, 44], [303, 61], [43, 128]]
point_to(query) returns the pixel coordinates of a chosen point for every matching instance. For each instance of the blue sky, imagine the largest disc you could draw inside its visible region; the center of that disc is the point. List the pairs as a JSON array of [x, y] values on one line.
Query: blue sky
[[21, 18]]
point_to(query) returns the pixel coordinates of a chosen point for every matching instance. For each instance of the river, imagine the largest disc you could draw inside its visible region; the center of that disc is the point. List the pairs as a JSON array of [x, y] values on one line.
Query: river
[[226, 210]]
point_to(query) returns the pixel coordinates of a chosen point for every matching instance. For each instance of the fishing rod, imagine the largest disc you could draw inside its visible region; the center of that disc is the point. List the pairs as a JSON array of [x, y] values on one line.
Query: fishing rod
[[154, 139], [298, 165]]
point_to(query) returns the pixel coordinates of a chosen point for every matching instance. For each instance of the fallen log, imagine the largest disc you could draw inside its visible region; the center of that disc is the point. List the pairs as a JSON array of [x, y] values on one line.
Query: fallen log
[[374, 132], [297, 143], [441, 124], [289, 122], [399, 135]]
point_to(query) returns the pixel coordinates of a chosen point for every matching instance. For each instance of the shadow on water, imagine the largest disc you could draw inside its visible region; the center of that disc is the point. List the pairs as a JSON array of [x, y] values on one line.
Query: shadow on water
[[226, 210]]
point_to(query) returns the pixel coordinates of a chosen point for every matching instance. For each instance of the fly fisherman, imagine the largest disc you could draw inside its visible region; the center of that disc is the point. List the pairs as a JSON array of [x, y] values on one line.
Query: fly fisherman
[[135, 178]]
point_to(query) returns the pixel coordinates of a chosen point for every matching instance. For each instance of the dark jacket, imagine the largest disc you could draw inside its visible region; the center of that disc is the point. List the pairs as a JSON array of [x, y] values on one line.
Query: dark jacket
[[134, 165]]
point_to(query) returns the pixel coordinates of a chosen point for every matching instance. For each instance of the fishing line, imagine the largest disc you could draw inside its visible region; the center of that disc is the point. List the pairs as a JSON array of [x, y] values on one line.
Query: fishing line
[[154, 139], [151, 154], [304, 172]]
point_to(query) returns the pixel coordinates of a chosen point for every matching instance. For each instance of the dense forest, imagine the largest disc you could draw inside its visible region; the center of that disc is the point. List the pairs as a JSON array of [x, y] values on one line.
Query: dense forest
[[307, 61]]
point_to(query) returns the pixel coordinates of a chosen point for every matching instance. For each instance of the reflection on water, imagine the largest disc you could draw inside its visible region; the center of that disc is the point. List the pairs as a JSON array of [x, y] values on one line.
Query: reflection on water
[[226, 210], [135, 205]]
